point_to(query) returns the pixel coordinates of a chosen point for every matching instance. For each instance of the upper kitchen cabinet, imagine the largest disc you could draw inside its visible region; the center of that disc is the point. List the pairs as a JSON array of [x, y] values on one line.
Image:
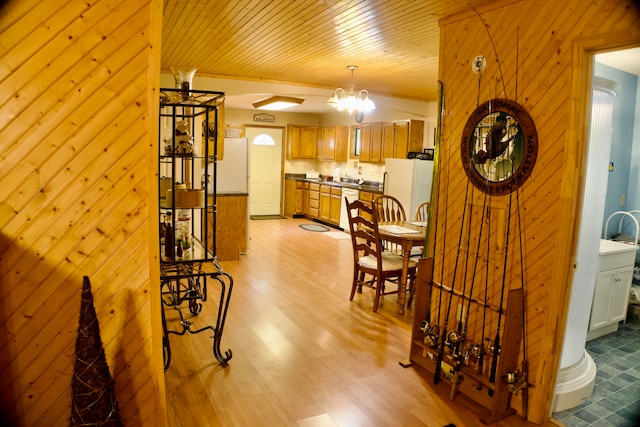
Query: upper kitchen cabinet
[[379, 141], [302, 142], [409, 137], [370, 142], [333, 143], [400, 138], [388, 140]]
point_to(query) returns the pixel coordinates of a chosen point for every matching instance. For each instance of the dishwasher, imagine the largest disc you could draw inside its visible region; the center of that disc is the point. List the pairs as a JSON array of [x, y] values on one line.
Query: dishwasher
[[351, 194]]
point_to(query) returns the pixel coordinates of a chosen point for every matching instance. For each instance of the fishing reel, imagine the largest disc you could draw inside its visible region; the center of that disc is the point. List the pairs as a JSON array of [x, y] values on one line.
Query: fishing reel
[[425, 327], [432, 336], [454, 338], [516, 381], [476, 351], [473, 353], [491, 347]]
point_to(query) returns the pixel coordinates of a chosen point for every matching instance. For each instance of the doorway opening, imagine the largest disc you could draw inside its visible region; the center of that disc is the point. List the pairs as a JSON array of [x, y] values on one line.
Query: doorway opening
[[616, 189]]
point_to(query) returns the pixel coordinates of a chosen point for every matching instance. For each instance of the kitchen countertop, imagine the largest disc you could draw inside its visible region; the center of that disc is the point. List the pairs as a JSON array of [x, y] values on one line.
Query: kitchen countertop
[[372, 187], [229, 193]]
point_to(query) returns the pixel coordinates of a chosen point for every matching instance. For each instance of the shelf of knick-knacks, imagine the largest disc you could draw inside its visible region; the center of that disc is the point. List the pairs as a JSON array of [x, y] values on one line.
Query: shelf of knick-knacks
[[188, 141]]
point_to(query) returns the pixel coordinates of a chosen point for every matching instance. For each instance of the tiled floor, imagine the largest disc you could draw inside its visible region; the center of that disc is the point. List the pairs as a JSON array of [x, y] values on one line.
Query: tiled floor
[[616, 398]]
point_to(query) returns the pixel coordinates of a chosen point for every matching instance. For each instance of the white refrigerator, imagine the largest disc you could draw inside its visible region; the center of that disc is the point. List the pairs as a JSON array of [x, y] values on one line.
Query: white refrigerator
[[233, 169], [409, 181]]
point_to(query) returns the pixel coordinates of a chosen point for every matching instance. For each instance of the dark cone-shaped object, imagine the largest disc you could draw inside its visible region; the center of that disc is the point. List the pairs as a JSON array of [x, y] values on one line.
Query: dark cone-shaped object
[[93, 399]]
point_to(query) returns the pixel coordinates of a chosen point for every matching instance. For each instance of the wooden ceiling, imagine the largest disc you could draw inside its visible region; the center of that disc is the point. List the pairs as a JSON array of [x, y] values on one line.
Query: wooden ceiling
[[394, 43]]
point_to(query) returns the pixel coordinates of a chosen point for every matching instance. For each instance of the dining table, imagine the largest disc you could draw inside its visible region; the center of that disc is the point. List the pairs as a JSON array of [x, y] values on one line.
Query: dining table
[[407, 235]]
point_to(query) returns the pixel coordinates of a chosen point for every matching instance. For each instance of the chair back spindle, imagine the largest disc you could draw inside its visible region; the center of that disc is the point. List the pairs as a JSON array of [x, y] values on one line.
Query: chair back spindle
[[389, 209]]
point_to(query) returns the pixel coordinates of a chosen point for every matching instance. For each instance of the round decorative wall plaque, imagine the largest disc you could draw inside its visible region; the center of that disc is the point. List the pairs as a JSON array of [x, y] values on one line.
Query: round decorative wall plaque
[[499, 146]]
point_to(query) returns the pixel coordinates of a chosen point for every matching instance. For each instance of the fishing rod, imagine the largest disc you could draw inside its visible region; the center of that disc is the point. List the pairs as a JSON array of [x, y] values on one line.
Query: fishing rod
[[463, 325], [473, 350], [453, 338], [425, 326], [496, 342], [523, 380], [441, 344], [480, 351]]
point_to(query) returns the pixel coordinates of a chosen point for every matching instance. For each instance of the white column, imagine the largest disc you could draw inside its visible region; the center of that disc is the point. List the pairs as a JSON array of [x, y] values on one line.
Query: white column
[[577, 373]]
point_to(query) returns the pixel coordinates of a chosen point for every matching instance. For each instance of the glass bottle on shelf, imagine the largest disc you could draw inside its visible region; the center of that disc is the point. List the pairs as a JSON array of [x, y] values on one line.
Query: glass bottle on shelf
[[163, 229], [169, 237], [183, 227]]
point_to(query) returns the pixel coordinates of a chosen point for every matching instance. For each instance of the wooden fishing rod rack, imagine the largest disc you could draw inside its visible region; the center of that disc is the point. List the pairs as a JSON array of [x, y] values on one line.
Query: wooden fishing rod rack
[[495, 396]]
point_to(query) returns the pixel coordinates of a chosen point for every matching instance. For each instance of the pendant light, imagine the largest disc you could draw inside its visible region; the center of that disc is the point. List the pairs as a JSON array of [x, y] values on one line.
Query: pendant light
[[351, 101]]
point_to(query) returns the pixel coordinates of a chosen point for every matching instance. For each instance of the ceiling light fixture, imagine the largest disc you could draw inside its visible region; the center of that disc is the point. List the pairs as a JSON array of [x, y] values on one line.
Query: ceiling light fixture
[[277, 103], [351, 101]]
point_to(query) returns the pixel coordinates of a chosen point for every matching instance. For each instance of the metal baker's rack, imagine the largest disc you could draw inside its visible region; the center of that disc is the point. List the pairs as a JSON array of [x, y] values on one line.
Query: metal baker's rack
[[189, 270]]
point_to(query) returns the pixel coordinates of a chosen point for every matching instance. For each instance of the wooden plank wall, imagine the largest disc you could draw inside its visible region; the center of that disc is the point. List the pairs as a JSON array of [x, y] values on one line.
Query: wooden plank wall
[[536, 44], [76, 80]]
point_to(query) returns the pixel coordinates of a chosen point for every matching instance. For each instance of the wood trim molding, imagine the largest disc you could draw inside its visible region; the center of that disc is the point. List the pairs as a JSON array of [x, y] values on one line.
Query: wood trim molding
[[153, 116]]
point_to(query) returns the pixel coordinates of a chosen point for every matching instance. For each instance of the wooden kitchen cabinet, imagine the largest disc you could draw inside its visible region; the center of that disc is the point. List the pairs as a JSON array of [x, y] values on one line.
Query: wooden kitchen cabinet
[[333, 143], [302, 142], [326, 143], [314, 200], [305, 198], [379, 141], [231, 226], [409, 137], [293, 198], [367, 197], [325, 203], [370, 142], [401, 145], [330, 204], [400, 138], [388, 140], [334, 208]]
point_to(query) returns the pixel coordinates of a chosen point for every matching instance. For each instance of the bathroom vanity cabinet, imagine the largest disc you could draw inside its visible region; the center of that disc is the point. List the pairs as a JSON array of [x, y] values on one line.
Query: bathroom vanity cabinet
[[613, 283]]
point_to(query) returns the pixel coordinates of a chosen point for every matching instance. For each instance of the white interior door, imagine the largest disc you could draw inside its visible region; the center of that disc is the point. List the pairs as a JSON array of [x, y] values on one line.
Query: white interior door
[[265, 170]]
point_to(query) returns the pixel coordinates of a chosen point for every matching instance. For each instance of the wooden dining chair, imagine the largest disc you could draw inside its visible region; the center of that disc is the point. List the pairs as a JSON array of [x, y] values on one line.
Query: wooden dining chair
[[369, 256], [389, 208], [422, 212]]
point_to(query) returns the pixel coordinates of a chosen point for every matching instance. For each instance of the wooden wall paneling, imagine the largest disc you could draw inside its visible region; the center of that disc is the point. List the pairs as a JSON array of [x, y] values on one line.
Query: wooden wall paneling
[[74, 181], [47, 338], [154, 393], [546, 36], [34, 301], [48, 128], [99, 195], [63, 51], [66, 152], [272, 43]]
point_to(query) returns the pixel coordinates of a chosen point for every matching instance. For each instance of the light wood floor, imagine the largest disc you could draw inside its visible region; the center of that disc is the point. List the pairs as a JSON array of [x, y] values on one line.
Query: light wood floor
[[303, 354]]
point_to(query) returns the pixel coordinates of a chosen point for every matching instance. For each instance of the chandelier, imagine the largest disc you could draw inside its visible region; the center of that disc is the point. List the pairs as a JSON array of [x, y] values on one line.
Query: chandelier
[[351, 101]]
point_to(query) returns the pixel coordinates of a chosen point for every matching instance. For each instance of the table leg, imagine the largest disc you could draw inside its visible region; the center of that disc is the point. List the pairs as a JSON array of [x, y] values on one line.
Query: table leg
[[402, 280]]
